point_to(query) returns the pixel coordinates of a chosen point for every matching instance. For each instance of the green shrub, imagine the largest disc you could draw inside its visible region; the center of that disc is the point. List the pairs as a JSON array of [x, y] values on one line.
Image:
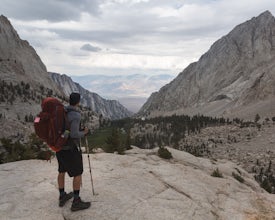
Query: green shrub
[[15, 150], [164, 153], [217, 173]]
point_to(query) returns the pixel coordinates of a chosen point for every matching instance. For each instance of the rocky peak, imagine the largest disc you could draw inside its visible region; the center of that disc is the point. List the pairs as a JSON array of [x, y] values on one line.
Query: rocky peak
[[266, 15], [5, 21], [19, 61], [9, 36]]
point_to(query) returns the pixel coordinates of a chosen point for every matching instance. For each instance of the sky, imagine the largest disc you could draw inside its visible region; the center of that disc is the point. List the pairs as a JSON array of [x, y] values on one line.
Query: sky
[[123, 37]]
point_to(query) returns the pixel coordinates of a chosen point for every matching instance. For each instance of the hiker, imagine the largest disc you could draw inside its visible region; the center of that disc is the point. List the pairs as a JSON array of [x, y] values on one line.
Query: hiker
[[70, 158]]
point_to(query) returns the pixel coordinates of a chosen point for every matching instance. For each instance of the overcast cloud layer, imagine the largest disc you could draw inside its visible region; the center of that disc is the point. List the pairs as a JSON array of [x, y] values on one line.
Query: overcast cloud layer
[[142, 44], [126, 36]]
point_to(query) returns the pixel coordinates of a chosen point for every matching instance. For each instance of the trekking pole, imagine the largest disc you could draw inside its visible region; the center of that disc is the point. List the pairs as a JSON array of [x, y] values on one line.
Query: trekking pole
[[87, 148], [80, 146]]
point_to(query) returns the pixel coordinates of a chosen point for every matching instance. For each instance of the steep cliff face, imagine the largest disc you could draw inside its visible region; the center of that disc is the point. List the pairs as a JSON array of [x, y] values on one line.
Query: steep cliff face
[[236, 77], [19, 61], [108, 108]]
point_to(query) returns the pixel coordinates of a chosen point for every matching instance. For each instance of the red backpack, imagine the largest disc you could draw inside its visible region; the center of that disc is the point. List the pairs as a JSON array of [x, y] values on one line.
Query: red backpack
[[51, 124]]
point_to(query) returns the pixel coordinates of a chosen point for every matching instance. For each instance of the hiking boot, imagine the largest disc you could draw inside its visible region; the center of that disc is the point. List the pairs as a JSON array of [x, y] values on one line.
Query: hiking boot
[[78, 204], [63, 199]]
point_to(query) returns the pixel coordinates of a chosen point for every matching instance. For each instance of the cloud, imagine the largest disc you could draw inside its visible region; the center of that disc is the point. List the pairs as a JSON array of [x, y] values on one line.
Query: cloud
[[50, 10], [141, 35], [90, 48], [117, 86]]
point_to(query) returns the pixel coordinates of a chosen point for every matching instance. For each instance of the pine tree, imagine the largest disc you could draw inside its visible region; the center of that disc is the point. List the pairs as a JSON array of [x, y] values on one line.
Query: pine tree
[[113, 142], [128, 141], [27, 86]]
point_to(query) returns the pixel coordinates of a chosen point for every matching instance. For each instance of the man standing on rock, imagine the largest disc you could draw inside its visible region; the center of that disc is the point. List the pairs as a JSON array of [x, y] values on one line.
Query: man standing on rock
[[70, 158]]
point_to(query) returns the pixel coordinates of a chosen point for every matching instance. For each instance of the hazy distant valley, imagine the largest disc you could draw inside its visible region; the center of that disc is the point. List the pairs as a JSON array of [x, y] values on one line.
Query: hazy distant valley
[[132, 91]]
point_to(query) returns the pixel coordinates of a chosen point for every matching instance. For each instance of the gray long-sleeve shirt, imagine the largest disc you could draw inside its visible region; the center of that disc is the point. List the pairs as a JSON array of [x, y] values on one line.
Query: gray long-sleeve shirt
[[73, 116]]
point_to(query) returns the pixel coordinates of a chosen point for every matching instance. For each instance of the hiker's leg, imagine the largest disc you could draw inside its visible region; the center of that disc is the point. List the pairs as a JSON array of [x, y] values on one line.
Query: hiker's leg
[[62, 169], [76, 172], [61, 180], [64, 197], [76, 185], [78, 204], [77, 182]]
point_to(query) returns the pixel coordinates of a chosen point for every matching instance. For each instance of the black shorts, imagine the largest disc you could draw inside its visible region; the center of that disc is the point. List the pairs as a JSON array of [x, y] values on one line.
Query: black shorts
[[70, 161]]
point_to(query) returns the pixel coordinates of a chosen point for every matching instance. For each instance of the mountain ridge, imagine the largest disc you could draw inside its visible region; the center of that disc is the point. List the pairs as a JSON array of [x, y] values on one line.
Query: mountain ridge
[[107, 108], [223, 77]]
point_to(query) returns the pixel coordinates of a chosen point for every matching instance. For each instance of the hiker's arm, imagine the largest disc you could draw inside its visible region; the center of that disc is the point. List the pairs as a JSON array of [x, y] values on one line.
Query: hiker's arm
[[74, 132]]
